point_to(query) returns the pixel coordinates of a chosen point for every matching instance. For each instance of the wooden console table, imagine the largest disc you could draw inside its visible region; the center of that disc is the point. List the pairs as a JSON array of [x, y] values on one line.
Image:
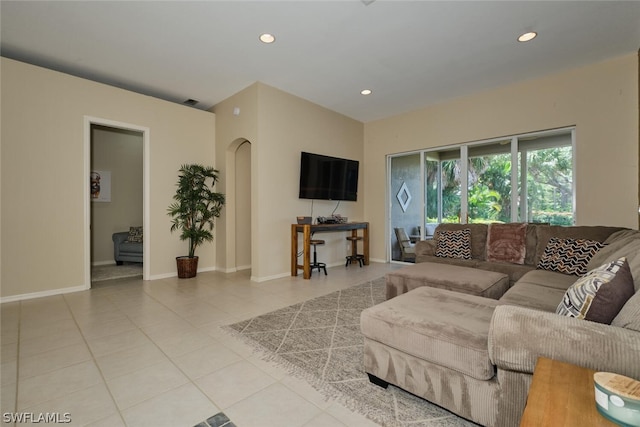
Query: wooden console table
[[308, 229], [562, 395]]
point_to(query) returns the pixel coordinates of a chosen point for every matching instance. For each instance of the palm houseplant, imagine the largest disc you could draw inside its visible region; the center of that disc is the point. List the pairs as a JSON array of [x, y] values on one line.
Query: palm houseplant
[[193, 212]]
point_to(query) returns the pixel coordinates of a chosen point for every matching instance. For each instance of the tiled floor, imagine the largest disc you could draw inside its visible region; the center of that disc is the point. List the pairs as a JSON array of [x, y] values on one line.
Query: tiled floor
[[134, 353]]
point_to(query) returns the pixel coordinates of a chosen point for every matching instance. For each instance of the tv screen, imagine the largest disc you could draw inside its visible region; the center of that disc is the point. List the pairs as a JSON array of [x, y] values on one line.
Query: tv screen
[[328, 178]]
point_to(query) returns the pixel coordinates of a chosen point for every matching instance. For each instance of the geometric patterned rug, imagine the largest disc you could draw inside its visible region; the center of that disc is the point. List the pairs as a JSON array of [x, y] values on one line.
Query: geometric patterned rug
[[320, 340]]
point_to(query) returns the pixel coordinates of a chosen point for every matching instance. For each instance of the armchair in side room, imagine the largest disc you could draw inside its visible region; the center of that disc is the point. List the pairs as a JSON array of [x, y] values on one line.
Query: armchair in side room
[[127, 245]]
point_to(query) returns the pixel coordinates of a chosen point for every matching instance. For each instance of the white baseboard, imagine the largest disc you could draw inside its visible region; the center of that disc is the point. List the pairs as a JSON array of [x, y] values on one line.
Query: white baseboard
[[265, 278], [41, 294]]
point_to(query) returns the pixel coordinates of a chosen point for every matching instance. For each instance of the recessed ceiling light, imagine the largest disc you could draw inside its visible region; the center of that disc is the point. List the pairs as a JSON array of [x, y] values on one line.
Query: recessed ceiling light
[[267, 38], [527, 36], [365, 92]]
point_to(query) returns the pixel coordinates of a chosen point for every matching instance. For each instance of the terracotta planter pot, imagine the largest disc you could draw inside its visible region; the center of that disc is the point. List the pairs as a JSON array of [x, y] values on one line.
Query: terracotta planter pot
[[187, 267]]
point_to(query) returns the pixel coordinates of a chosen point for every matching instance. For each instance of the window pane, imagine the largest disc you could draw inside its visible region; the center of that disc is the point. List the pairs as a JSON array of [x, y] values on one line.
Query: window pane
[[489, 170], [549, 185]]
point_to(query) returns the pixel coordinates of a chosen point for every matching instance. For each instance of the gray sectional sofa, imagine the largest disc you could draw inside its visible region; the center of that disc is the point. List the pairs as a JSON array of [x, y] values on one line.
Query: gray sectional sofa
[[468, 341]]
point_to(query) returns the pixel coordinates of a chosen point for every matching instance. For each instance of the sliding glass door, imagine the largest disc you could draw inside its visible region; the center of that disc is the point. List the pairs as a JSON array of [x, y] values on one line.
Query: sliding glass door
[[406, 208], [522, 178]]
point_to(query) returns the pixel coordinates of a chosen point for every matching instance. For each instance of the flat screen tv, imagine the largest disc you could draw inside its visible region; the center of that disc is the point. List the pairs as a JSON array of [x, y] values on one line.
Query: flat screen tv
[[328, 178]]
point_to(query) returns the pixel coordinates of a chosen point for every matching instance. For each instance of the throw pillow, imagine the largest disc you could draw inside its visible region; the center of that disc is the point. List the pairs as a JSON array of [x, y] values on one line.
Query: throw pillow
[[568, 256], [454, 244], [506, 242], [600, 294], [135, 235]]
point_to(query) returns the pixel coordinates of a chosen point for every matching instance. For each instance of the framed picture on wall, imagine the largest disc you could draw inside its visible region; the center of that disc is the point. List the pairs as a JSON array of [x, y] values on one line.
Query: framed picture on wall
[[100, 186]]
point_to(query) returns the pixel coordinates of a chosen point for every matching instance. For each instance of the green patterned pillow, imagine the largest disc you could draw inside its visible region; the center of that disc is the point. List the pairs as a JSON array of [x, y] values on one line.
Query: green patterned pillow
[[600, 294], [135, 235], [454, 244]]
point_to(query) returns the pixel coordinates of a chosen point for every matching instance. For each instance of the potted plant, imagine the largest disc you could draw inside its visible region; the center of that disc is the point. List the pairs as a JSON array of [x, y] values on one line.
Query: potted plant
[[194, 210]]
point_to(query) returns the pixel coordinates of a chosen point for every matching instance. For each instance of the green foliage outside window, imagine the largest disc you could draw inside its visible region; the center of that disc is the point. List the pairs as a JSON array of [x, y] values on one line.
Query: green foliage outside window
[[549, 188]]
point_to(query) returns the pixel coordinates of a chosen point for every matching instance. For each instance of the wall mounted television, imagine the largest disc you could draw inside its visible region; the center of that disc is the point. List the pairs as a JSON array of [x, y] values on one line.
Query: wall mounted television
[[328, 178]]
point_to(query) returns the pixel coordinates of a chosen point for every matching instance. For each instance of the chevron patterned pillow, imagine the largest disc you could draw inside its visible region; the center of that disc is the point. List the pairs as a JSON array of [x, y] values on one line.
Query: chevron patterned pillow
[[454, 244], [568, 256]]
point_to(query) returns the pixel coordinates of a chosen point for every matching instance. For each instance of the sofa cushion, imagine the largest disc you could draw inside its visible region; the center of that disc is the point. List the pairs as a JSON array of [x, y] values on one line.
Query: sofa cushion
[[569, 256], [506, 242], [538, 297], [624, 243], [629, 316], [478, 237], [454, 244], [600, 294], [444, 276], [129, 248], [514, 271], [453, 334], [550, 279]]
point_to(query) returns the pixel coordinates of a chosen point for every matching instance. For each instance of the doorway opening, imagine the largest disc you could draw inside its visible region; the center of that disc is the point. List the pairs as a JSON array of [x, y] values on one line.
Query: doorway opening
[[116, 213]]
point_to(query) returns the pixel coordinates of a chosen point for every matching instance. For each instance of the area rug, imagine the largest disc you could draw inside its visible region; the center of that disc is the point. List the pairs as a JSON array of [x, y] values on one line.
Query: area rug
[[101, 273], [320, 341]]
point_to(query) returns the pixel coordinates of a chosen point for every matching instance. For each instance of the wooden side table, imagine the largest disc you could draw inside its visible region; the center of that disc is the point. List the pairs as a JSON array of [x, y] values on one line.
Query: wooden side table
[[562, 395]]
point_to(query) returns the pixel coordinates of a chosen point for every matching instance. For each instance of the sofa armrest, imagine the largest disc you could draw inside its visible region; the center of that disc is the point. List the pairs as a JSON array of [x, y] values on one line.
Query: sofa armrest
[[425, 248], [518, 336], [118, 238]]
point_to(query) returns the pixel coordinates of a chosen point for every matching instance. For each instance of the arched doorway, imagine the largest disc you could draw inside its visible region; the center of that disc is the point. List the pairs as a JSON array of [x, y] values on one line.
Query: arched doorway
[[238, 208], [243, 206]]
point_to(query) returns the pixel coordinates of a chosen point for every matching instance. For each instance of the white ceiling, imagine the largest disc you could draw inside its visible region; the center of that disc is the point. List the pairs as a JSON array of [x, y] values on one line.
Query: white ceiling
[[410, 53]]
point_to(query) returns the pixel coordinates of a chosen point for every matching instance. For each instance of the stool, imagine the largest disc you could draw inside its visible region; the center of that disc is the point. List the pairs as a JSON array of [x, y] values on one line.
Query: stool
[[315, 263], [355, 256]]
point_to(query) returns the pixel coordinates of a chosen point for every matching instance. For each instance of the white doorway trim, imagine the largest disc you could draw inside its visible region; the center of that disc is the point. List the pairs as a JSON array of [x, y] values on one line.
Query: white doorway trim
[[88, 121]]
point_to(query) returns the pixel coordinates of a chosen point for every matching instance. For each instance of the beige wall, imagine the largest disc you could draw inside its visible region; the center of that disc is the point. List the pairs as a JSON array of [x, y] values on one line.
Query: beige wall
[[280, 126], [601, 100], [121, 153], [43, 178]]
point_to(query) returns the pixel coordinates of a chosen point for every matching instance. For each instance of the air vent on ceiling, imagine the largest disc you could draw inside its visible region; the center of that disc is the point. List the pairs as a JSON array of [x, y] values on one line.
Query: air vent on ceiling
[[191, 102]]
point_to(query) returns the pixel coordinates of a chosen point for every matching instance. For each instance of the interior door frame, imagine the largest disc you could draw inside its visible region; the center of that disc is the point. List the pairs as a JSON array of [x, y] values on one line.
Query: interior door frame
[[146, 256]]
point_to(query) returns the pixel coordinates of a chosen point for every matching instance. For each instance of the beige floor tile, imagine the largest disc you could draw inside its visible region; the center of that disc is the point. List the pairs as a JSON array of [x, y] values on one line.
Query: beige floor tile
[[205, 360], [184, 406], [113, 343], [306, 390], [114, 420], [9, 352], [88, 319], [349, 417], [130, 360], [131, 389], [178, 345], [53, 360], [324, 420], [153, 317], [274, 406], [234, 383], [34, 390], [8, 397], [100, 328], [168, 329], [56, 329], [83, 406], [9, 372]]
